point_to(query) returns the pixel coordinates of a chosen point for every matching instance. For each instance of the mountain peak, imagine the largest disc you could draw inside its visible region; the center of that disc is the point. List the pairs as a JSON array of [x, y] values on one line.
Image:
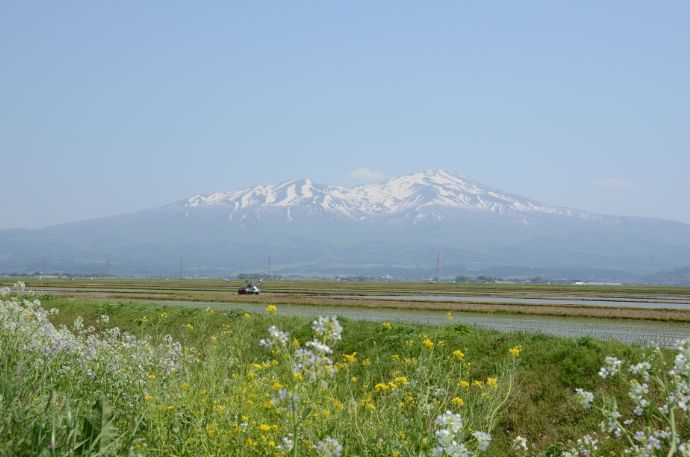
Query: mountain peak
[[409, 196]]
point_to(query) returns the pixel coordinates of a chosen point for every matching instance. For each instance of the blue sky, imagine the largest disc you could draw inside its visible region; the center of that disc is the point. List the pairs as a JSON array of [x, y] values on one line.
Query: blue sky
[[110, 107]]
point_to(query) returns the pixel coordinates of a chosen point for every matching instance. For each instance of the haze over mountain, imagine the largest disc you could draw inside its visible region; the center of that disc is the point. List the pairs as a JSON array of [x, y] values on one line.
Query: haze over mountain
[[391, 228]]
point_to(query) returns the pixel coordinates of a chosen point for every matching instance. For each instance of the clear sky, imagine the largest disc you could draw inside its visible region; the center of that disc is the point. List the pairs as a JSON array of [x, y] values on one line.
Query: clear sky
[[115, 106]]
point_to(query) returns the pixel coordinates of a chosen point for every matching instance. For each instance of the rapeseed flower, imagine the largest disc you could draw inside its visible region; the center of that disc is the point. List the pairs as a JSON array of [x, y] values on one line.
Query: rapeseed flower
[[515, 351], [351, 358], [458, 354]]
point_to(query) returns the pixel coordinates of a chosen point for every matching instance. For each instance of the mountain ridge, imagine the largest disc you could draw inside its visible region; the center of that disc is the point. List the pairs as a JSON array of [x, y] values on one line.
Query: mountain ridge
[[432, 187], [312, 229]]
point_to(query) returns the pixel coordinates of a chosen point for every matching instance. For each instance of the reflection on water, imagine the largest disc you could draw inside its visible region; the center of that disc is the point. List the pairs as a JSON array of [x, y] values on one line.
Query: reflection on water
[[629, 331], [595, 301]]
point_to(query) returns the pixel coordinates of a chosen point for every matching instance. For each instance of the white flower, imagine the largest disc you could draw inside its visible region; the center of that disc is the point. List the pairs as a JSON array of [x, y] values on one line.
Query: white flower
[[329, 447], [519, 443], [612, 366], [319, 347], [450, 421], [276, 337], [285, 445], [641, 369], [328, 328], [584, 398], [483, 440]]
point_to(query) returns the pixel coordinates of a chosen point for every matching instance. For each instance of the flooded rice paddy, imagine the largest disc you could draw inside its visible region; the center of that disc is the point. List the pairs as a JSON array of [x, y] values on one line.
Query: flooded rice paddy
[[625, 330], [665, 303]]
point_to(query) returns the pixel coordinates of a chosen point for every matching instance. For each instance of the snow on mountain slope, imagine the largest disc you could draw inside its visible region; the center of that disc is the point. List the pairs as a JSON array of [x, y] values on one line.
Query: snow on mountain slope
[[416, 193]]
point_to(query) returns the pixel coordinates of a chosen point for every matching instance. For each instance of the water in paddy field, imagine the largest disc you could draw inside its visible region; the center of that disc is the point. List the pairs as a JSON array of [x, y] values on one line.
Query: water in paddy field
[[665, 303], [625, 330]]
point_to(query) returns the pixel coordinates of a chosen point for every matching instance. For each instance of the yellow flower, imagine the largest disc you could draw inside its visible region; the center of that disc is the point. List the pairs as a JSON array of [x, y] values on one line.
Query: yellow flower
[[246, 315], [477, 383], [464, 384], [148, 398], [184, 386], [354, 379], [515, 351], [395, 453], [366, 362], [387, 325], [214, 338], [264, 428], [277, 386], [189, 326], [152, 377], [449, 316], [171, 407], [351, 358], [401, 380], [492, 382], [458, 354], [298, 377], [144, 319], [381, 388], [457, 401], [428, 344], [367, 403], [395, 357], [271, 309], [209, 309]]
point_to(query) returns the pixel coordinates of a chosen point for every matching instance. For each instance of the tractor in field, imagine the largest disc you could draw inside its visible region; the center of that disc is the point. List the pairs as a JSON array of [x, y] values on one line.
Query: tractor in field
[[249, 289]]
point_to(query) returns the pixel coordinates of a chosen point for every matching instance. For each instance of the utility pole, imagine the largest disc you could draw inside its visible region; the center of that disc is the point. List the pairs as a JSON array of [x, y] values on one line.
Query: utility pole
[[438, 265]]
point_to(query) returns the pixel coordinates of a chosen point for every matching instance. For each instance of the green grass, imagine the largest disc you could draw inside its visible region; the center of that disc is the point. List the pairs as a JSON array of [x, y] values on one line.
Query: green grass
[[201, 409]]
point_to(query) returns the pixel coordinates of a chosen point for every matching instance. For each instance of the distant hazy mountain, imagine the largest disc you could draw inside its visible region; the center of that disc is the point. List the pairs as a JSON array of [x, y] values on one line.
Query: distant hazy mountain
[[393, 228]]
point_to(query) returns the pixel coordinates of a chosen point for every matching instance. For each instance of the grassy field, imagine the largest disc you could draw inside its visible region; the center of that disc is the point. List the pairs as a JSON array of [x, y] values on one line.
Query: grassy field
[[324, 287], [220, 392], [332, 292]]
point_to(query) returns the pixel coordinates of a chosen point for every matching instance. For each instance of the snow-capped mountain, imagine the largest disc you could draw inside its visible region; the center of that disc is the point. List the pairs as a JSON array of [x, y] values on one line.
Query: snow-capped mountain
[[414, 196], [393, 228]]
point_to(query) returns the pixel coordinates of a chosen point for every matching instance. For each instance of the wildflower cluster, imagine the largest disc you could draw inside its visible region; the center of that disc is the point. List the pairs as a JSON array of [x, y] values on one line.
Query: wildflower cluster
[[453, 440], [658, 425], [115, 361]]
